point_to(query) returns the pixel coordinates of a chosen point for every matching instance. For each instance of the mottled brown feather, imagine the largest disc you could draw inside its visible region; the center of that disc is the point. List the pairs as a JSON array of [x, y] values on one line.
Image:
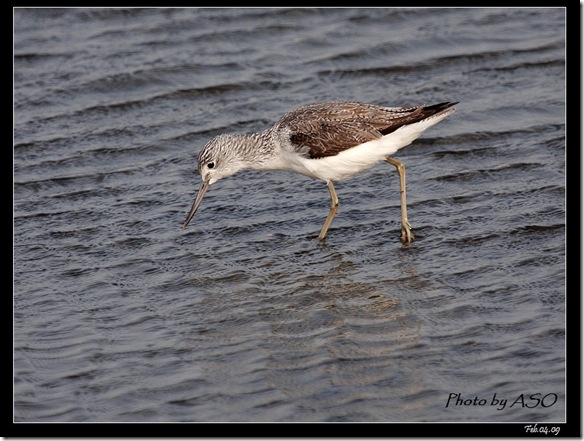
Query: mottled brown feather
[[325, 129]]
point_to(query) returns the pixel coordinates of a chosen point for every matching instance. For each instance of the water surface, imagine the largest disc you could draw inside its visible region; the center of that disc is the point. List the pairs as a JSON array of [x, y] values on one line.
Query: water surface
[[121, 315]]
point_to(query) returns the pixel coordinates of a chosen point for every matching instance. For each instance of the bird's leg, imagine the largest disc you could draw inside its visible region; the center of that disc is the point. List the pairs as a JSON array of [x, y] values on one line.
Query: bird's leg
[[406, 232], [332, 212]]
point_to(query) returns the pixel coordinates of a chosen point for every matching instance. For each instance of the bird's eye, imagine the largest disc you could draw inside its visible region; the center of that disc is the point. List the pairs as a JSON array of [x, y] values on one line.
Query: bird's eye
[[211, 165]]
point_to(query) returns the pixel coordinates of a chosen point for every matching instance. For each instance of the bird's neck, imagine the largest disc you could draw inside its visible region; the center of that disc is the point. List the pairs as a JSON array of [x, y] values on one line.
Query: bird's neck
[[256, 149]]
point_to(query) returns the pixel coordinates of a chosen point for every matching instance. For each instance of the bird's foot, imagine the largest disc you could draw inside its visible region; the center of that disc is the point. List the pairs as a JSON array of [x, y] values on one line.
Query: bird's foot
[[406, 233]]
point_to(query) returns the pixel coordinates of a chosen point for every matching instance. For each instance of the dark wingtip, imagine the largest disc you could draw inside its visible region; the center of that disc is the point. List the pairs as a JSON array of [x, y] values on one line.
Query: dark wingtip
[[428, 111], [439, 107]]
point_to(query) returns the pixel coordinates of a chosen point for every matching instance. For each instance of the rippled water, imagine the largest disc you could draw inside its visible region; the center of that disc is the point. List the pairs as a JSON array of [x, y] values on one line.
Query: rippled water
[[121, 315]]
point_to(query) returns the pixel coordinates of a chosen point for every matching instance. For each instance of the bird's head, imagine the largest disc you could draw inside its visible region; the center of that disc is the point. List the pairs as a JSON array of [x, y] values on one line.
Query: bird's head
[[218, 159]]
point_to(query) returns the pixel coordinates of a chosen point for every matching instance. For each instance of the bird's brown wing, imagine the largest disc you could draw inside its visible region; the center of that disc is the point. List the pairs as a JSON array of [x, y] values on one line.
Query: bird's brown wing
[[325, 129]]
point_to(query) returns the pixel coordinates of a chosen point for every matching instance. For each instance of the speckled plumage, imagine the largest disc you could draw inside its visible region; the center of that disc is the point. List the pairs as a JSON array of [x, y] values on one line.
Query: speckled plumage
[[330, 128], [329, 141]]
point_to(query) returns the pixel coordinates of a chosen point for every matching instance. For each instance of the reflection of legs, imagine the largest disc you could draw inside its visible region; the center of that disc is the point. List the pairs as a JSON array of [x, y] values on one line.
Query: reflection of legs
[[333, 210], [406, 232]]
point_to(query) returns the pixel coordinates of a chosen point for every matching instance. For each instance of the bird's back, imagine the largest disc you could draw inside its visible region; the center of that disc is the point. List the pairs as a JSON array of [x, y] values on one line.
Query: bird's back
[[326, 129]]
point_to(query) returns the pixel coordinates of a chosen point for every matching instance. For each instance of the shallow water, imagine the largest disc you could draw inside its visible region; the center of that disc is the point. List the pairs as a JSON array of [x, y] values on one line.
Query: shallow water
[[121, 315]]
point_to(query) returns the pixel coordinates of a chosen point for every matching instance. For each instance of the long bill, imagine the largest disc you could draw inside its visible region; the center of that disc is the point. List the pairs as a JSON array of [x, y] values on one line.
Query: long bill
[[197, 202]]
